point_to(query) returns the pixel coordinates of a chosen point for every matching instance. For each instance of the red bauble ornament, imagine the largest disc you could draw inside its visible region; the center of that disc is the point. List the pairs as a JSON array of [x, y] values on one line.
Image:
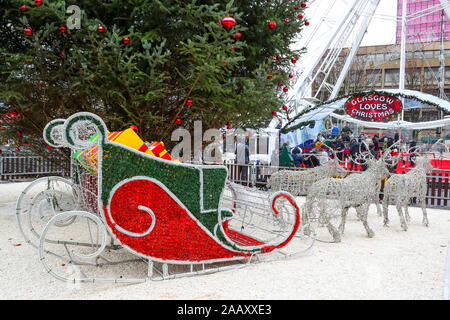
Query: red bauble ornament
[[38, 2], [285, 89], [100, 28], [189, 102], [19, 133], [280, 84], [291, 76], [279, 58], [62, 29], [228, 22], [178, 121], [228, 125], [294, 60], [272, 25], [28, 31], [23, 8], [126, 40], [17, 150], [63, 55], [49, 147], [300, 16], [237, 35], [303, 4], [297, 7], [306, 23], [135, 128], [269, 76], [286, 20], [285, 107], [274, 113]]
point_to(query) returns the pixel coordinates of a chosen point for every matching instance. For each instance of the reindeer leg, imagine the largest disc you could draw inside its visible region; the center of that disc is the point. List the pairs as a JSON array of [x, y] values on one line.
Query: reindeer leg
[[385, 211], [307, 230], [402, 218], [407, 216], [363, 212], [343, 220], [377, 204], [424, 211], [332, 230]]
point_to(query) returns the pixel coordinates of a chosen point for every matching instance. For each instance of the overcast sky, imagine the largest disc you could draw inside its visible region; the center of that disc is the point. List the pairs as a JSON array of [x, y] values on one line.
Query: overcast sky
[[381, 30]]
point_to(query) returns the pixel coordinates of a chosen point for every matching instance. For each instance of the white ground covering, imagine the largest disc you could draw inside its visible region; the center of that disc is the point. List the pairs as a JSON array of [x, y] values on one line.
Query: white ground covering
[[393, 265]]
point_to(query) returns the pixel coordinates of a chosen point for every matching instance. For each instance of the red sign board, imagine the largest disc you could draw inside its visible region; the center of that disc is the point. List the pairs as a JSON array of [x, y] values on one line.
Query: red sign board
[[373, 106]]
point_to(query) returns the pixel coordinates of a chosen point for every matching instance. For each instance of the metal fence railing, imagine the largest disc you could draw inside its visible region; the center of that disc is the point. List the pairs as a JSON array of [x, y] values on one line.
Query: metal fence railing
[[14, 166], [24, 166], [258, 175]]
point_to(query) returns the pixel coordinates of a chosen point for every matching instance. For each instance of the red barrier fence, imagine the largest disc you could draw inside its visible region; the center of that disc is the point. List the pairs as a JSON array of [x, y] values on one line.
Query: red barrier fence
[[438, 193]]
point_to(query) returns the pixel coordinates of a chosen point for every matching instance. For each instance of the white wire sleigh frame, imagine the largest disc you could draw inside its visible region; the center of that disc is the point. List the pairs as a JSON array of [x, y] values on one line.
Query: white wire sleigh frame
[[169, 219]]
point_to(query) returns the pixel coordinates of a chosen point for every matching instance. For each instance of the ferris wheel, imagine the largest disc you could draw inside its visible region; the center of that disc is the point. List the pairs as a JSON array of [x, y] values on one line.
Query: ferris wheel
[[446, 6], [348, 32]]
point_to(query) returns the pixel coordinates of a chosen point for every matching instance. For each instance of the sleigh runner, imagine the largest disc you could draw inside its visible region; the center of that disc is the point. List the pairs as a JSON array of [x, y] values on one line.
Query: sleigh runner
[[164, 213]]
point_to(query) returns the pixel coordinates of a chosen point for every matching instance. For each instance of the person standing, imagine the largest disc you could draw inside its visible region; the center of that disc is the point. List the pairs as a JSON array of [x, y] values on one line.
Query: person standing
[[354, 151], [376, 143], [243, 159], [297, 155]]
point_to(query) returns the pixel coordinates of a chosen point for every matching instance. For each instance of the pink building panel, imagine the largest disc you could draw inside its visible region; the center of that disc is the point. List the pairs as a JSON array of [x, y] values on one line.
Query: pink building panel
[[423, 27]]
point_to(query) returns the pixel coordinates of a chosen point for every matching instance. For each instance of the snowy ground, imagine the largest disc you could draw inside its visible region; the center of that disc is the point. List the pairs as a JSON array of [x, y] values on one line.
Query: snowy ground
[[392, 265]]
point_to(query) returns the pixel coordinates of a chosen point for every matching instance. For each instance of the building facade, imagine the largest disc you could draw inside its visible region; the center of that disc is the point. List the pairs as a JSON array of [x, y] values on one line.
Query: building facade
[[424, 21], [378, 67]]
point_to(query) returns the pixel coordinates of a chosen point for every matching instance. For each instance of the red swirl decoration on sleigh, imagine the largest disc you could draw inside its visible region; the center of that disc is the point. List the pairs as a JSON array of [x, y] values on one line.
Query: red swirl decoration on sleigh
[[147, 218]]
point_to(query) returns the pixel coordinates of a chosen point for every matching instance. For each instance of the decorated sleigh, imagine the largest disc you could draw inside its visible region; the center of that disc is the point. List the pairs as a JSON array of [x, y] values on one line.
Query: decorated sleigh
[[178, 219]]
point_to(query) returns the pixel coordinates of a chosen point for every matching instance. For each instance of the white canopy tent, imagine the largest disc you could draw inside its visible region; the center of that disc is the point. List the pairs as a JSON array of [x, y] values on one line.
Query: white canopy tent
[[320, 113], [327, 109]]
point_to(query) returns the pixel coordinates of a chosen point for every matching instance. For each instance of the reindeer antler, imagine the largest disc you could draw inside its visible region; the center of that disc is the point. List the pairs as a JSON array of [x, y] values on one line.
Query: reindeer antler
[[387, 156], [335, 153], [364, 155]]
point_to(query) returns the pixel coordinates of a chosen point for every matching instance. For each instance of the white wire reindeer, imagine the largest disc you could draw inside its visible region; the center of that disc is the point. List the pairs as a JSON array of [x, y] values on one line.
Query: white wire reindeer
[[297, 181], [356, 191], [389, 160], [402, 187]]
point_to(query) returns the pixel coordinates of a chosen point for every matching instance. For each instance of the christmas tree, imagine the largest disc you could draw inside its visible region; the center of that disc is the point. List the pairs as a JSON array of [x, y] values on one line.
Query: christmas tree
[[153, 64]]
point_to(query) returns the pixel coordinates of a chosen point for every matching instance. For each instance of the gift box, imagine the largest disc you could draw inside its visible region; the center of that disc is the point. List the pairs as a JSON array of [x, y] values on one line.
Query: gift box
[[158, 150], [89, 158]]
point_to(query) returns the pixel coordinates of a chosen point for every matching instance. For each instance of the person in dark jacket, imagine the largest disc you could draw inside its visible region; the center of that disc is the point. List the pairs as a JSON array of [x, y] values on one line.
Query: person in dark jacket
[[412, 151], [297, 155], [396, 137], [354, 151], [376, 143], [340, 146]]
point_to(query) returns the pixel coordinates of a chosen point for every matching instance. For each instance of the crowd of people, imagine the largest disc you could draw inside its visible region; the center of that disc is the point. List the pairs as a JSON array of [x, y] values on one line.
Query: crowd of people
[[346, 145]]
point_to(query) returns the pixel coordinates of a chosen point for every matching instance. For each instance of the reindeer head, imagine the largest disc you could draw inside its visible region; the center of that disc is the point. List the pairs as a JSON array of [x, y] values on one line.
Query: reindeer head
[[424, 163], [336, 165], [378, 168], [336, 168], [382, 171]]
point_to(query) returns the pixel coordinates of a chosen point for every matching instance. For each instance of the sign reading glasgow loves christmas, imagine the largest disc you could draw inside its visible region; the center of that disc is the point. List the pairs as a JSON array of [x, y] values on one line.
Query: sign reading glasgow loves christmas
[[373, 106]]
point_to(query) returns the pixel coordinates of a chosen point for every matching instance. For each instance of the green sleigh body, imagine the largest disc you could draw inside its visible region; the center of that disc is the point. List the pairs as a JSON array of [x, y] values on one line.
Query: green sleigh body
[[162, 210]]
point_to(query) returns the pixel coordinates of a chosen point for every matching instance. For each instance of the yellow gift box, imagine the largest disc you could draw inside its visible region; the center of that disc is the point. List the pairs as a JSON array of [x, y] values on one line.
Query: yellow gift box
[[89, 158]]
